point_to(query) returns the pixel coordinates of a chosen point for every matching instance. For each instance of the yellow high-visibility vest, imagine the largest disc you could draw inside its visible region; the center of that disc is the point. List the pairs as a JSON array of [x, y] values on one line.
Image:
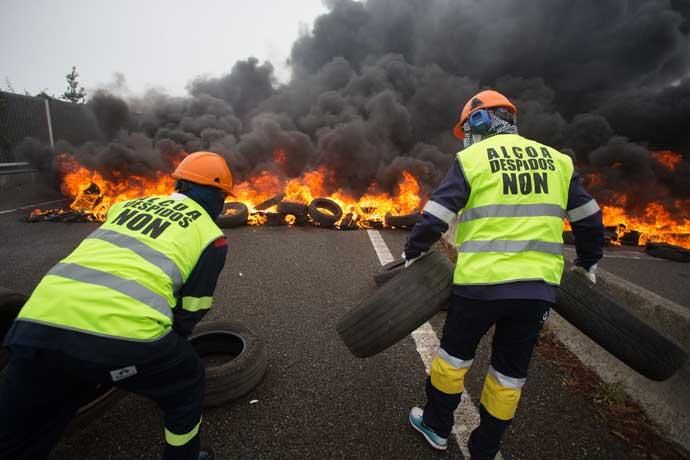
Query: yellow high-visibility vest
[[121, 281], [511, 228]]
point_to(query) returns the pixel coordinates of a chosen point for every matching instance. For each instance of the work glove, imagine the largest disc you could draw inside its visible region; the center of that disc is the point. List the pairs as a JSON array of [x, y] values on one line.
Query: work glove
[[413, 260], [590, 274]]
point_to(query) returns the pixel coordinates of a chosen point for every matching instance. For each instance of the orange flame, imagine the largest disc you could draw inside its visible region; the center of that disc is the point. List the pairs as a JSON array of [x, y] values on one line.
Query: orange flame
[[94, 194], [669, 159]]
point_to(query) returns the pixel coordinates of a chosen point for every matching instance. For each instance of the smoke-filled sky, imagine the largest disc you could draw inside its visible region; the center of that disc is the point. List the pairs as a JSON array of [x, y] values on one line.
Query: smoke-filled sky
[[376, 87], [153, 43]]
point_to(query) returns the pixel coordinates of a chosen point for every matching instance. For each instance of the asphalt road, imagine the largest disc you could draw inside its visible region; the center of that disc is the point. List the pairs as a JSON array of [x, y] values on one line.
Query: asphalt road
[[317, 401]]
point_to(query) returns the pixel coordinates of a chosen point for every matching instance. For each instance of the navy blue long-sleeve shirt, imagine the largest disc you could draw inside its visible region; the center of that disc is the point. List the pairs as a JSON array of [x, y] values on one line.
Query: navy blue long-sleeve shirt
[[194, 297], [452, 195]]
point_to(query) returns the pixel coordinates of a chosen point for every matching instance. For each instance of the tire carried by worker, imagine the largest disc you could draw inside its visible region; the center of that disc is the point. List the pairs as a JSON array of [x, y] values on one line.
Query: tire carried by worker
[[397, 308], [235, 214], [234, 358], [610, 324], [325, 212], [388, 271]]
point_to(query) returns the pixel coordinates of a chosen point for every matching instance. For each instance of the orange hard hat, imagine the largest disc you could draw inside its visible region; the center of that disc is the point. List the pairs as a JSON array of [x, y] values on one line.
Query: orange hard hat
[[488, 99], [205, 168]]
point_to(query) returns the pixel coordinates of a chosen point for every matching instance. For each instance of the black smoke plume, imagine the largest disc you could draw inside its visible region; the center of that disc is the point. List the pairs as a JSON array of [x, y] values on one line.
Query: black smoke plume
[[377, 86]]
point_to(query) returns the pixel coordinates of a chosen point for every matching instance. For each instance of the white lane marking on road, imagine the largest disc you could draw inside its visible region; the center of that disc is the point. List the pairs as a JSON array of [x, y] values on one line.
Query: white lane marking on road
[[30, 206], [426, 341], [382, 251]]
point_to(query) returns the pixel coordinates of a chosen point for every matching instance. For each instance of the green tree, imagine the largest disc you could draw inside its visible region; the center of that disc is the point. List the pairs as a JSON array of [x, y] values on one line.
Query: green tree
[[74, 92]]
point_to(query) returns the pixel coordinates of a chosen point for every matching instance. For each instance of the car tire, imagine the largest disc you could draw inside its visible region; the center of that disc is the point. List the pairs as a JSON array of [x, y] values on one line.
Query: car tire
[[230, 379], [238, 215], [325, 219], [404, 221], [398, 307], [668, 251], [265, 205], [599, 316], [388, 271], [297, 210]]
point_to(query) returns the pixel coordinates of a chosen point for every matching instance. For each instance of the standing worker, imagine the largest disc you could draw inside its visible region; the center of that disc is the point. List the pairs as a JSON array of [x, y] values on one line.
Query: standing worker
[[118, 311], [514, 194]]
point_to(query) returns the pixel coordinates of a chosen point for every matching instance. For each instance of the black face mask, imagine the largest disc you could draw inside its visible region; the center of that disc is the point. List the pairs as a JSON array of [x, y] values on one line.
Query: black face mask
[[210, 198]]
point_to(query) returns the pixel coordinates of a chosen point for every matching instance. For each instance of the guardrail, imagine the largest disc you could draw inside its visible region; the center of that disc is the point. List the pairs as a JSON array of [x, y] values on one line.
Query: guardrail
[[16, 168]]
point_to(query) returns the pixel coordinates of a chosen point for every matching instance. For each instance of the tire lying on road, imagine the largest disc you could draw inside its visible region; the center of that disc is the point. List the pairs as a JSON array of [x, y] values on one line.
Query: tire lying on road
[[618, 331], [668, 251], [402, 220], [398, 307], [325, 212], [234, 358], [96, 402], [238, 213], [297, 210]]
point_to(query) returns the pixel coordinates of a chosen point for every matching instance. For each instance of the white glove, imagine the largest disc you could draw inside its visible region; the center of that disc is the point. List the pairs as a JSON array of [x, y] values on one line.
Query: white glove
[[411, 261], [590, 274]]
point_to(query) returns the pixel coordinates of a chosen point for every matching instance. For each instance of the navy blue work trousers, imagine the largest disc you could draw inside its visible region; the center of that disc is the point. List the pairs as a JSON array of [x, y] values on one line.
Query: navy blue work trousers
[[517, 324], [41, 390]]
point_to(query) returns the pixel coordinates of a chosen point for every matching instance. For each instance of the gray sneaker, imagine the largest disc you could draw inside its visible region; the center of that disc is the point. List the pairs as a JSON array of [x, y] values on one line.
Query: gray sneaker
[[417, 422]]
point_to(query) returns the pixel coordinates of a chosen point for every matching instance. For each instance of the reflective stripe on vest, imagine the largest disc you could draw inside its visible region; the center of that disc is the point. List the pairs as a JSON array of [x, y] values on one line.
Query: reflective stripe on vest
[[127, 287], [511, 246], [156, 258], [512, 210], [511, 228]]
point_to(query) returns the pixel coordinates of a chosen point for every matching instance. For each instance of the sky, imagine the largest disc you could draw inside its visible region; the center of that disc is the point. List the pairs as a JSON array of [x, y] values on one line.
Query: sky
[[160, 44]]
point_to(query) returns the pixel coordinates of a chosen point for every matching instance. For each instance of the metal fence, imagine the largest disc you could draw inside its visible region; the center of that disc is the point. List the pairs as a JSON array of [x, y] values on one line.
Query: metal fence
[[47, 120]]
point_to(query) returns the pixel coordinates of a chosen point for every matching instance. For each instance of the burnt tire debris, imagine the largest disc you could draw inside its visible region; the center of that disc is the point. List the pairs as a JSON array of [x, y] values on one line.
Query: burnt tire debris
[[264, 205], [235, 214], [397, 308], [299, 211], [275, 219], [403, 221], [325, 212], [234, 357], [609, 323], [96, 402], [668, 251]]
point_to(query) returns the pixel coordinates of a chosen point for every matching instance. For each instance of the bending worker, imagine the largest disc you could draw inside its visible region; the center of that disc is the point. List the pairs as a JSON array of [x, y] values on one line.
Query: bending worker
[[117, 311], [514, 194]]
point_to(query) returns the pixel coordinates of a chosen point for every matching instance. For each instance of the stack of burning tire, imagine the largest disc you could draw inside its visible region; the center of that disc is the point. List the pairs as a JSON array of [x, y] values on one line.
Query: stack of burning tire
[[321, 212]]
